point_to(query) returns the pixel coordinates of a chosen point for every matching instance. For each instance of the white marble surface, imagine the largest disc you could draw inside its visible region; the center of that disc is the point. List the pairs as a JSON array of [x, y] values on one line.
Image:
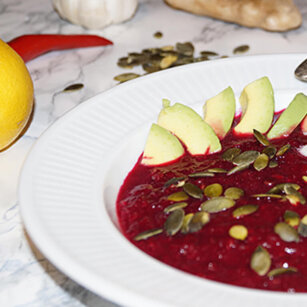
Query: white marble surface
[[27, 278]]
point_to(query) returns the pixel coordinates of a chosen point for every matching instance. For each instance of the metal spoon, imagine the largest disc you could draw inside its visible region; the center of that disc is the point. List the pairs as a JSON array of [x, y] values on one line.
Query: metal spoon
[[301, 71]]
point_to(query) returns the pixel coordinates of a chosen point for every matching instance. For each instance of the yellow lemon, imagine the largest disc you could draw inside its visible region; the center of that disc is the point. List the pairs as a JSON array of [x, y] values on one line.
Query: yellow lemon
[[16, 95]]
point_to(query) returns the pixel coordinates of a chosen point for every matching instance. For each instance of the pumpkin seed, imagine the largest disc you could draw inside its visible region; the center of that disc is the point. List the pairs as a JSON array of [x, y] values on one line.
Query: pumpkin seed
[[273, 164], [290, 190], [279, 271], [135, 58], [186, 222], [283, 149], [291, 218], [178, 196], [201, 174], [126, 77], [147, 234], [230, 154], [193, 190], [217, 204], [198, 221], [294, 200], [261, 162], [260, 261], [124, 63], [175, 206], [201, 59], [270, 151], [174, 222], [304, 178], [238, 232], [167, 48], [213, 190], [208, 53], [279, 188], [286, 232], [168, 61], [248, 156], [73, 87], [185, 48], [241, 49], [233, 193], [174, 181], [267, 195], [244, 210], [238, 168], [217, 170], [261, 138], [158, 34], [183, 60], [302, 227], [150, 68]]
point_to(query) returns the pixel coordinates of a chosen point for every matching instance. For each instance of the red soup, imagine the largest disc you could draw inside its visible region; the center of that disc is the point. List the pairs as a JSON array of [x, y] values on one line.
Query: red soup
[[268, 247]]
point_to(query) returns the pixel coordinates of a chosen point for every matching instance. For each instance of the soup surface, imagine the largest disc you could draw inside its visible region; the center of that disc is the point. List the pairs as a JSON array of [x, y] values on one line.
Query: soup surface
[[257, 254]]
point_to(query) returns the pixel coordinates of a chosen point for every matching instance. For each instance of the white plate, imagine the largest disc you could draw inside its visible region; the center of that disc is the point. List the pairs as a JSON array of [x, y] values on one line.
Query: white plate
[[70, 180]]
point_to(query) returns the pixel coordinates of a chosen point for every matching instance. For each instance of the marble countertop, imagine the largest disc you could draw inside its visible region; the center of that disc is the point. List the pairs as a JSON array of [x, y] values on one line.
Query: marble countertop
[[27, 278]]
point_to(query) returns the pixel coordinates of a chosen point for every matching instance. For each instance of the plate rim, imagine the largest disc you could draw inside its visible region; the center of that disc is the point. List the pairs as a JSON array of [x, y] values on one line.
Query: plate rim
[[25, 197]]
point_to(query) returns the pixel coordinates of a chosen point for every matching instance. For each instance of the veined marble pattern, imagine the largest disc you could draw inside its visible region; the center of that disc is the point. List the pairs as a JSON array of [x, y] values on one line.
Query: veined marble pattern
[[27, 278]]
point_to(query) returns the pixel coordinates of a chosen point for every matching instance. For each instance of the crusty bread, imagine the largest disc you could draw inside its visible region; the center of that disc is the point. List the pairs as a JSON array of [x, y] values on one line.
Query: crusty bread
[[271, 15]]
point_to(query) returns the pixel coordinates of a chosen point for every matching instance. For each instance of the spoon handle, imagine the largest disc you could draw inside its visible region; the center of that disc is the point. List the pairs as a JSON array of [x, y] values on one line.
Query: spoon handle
[[301, 71]]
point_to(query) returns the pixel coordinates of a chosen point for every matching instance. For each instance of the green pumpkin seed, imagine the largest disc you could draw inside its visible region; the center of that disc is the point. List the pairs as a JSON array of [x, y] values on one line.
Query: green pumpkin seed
[[174, 181], [279, 188], [168, 61], [230, 154], [208, 53], [302, 227], [241, 49], [158, 34], [270, 151], [217, 170], [261, 138], [73, 87], [290, 190], [201, 174], [178, 196], [185, 48], [244, 210], [175, 206], [291, 218], [283, 149], [279, 271], [260, 261], [174, 222], [248, 156], [193, 190], [124, 63], [186, 222], [238, 232], [198, 221], [213, 190], [149, 68], [304, 178], [238, 168], [147, 234], [233, 193], [286, 232], [217, 204], [261, 162], [273, 164], [126, 77]]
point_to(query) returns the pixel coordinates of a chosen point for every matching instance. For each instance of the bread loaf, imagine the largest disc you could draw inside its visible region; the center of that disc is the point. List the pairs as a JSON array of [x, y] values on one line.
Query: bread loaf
[[271, 15]]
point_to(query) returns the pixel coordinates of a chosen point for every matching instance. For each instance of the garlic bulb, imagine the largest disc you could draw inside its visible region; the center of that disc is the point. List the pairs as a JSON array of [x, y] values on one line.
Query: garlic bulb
[[95, 14]]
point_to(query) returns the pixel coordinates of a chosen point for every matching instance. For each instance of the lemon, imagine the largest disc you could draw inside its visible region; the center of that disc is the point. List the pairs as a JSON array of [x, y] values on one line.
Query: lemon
[[16, 95]]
